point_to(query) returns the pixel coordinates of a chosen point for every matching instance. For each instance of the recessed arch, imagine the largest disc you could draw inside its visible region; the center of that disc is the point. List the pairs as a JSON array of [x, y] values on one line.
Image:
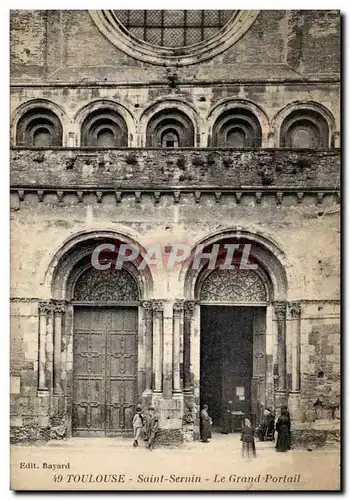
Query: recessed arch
[[38, 116], [237, 116], [104, 115], [305, 115], [265, 253], [74, 257], [179, 114]]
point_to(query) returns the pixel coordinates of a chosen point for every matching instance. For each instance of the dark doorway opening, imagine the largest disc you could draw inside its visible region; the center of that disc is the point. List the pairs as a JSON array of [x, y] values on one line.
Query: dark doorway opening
[[227, 347]]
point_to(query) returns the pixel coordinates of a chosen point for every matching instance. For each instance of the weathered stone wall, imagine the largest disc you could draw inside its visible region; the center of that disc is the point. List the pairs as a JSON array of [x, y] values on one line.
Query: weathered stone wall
[[292, 42], [181, 168]]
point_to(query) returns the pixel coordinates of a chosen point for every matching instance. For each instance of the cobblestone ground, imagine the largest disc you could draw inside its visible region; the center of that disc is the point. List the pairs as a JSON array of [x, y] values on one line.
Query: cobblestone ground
[[108, 463]]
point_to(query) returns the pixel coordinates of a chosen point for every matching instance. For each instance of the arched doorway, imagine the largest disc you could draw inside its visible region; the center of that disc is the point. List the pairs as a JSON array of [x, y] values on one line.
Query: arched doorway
[[233, 345], [105, 344], [226, 301], [95, 336]]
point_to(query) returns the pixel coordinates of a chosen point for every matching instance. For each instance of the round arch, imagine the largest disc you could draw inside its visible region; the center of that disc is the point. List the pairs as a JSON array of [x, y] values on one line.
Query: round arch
[[73, 259], [314, 107], [31, 105], [173, 104], [226, 105], [105, 104], [266, 253]]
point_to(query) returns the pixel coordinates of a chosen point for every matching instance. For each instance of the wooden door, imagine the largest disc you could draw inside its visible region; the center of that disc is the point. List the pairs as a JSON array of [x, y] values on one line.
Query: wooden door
[[104, 370], [259, 364]]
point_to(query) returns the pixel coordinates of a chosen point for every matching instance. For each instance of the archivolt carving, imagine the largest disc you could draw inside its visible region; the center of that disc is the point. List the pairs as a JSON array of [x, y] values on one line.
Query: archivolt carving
[[108, 285], [233, 285]]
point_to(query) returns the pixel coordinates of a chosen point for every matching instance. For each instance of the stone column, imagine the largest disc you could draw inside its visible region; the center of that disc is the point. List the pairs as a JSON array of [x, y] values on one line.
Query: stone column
[[295, 310], [294, 395], [189, 306], [168, 351], [177, 315], [158, 306], [280, 311], [44, 310], [148, 318], [59, 310]]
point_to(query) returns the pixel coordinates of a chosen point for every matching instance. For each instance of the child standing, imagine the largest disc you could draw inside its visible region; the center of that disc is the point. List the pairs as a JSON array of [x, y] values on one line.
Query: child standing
[[247, 438], [137, 424]]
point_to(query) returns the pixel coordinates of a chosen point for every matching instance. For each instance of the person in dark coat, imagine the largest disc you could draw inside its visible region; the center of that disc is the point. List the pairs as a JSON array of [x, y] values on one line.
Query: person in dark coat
[[267, 427], [205, 424], [283, 429], [152, 428], [247, 438]]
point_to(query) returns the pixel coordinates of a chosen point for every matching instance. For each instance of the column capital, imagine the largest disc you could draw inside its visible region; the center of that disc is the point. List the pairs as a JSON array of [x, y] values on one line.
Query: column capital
[[178, 307], [280, 309], [45, 307], [148, 308], [189, 306], [59, 306], [158, 305], [294, 309]]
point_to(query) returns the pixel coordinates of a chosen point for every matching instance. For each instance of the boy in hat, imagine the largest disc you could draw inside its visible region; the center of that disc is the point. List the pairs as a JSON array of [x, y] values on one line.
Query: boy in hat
[[137, 424], [152, 427]]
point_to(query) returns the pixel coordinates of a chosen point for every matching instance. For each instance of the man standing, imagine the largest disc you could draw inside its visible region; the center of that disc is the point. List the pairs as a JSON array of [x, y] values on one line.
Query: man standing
[[152, 428]]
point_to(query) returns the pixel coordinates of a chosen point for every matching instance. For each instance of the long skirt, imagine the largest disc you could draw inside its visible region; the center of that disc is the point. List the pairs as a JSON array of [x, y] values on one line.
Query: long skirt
[[248, 450], [283, 439], [205, 430]]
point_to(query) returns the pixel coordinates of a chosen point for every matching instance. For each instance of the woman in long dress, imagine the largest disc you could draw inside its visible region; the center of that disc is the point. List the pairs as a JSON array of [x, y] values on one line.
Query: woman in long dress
[[283, 429], [247, 438], [205, 427]]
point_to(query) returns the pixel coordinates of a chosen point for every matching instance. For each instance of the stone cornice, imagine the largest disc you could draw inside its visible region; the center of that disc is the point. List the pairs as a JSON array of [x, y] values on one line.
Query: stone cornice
[[176, 192]]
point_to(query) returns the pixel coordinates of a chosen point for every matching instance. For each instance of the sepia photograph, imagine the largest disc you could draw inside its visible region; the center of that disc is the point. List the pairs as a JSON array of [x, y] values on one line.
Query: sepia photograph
[[175, 250]]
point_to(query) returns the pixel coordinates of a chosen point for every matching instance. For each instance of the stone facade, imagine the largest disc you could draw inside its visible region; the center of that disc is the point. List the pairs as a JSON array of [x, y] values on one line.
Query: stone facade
[[284, 202]]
